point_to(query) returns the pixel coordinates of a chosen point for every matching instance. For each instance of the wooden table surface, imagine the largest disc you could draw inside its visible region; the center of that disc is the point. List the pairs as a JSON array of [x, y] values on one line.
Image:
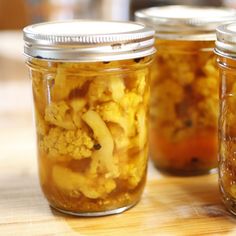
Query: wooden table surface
[[169, 206]]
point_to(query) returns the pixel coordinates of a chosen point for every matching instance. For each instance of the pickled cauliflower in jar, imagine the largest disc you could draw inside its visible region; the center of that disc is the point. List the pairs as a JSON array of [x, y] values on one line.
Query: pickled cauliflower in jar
[[92, 132], [184, 107], [227, 152]]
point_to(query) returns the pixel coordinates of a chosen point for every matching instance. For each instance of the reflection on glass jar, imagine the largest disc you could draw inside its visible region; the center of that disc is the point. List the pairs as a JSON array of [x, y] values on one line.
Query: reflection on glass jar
[[226, 50], [91, 120], [184, 88]]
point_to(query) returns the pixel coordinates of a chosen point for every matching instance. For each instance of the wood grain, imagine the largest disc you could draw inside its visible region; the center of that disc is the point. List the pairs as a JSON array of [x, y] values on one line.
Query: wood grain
[[169, 206]]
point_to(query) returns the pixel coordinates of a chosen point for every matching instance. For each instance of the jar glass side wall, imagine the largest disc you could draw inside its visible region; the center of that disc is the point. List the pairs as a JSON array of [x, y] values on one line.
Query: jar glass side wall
[[91, 121], [184, 107], [227, 134]]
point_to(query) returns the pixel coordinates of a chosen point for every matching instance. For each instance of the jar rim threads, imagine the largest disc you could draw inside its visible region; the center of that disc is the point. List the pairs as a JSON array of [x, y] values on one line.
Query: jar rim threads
[[226, 40]]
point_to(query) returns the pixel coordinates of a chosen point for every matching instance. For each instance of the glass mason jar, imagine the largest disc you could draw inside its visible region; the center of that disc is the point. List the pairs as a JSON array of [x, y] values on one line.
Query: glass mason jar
[[90, 85], [184, 88], [226, 51]]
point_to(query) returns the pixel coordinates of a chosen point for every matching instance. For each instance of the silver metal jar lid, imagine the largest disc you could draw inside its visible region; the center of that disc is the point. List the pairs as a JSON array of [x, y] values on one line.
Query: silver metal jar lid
[[185, 22], [85, 40], [226, 40]]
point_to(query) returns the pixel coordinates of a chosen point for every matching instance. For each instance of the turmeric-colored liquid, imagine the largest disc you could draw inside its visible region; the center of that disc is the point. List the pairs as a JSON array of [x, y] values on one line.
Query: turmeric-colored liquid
[[92, 132], [184, 107]]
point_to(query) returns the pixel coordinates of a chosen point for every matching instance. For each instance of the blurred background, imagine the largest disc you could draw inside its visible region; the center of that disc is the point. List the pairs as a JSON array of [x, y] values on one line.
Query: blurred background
[[15, 14]]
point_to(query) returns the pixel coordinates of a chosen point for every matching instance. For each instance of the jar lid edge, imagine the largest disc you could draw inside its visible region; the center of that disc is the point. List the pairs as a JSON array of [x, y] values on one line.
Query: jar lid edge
[[49, 39]]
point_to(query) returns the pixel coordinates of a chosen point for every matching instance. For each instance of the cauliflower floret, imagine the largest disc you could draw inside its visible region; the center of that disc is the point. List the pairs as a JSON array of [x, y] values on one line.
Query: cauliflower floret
[[141, 127], [59, 142], [59, 114], [98, 91], [210, 68], [104, 156], [106, 89], [206, 86], [169, 90], [123, 113], [89, 185], [122, 141], [133, 171], [66, 82], [158, 111], [116, 87], [129, 104], [77, 105], [111, 112], [184, 72], [120, 138], [141, 81], [180, 67], [208, 112], [165, 96], [130, 100]]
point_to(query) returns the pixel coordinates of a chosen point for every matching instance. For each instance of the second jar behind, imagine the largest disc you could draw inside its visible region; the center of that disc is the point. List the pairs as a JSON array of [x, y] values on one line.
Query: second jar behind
[[184, 95]]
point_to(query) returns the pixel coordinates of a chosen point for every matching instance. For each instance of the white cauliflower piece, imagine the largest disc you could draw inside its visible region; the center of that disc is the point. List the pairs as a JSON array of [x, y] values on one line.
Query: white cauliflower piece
[[106, 89], [208, 112], [141, 127], [120, 139], [77, 105], [130, 100], [129, 104], [123, 113], [89, 185], [65, 83], [140, 81], [104, 156], [111, 112], [120, 127], [59, 114], [116, 87], [98, 91]]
